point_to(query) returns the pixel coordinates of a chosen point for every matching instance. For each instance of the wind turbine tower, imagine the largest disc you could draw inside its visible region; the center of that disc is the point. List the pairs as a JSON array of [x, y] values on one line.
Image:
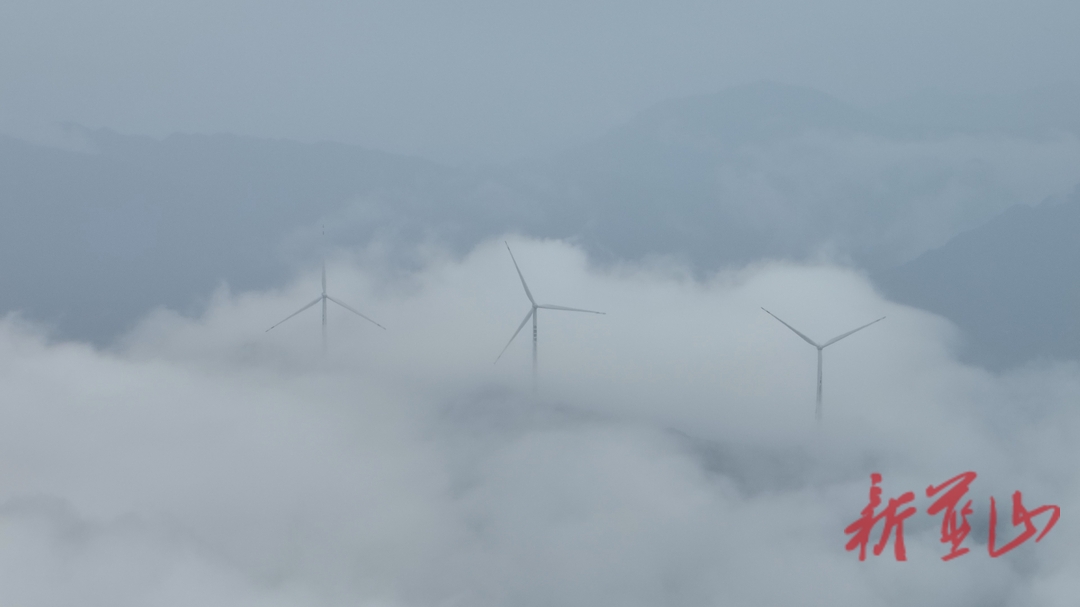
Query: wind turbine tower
[[532, 314], [820, 347], [323, 299]]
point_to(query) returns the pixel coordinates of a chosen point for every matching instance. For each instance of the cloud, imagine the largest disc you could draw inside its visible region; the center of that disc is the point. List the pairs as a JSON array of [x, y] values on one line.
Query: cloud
[[670, 454]]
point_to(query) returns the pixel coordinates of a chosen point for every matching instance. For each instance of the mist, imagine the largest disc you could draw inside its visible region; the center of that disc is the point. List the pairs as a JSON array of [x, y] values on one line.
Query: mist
[[669, 455]]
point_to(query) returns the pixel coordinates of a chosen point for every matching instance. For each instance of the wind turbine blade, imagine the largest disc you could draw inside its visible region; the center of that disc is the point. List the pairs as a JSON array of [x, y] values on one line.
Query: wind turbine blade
[[839, 337], [808, 340], [522, 277], [551, 307], [355, 312], [317, 300], [520, 327]]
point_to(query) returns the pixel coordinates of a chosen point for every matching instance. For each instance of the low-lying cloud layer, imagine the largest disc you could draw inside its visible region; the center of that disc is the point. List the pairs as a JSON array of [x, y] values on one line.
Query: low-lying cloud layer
[[670, 455]]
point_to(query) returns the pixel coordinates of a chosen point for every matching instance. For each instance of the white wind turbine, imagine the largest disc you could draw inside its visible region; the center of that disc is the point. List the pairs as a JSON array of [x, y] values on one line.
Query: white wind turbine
[[820, 347], [325, 298], [532, 315]]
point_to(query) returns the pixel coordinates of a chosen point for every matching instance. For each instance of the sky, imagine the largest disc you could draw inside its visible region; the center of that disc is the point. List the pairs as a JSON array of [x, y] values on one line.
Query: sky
[[669, 456], [478, 81]]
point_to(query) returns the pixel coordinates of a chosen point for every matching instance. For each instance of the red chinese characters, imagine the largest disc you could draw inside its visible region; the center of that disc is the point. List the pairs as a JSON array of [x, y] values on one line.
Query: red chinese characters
[[1020, 516], [954, 525], [893, 519], [951, 532]]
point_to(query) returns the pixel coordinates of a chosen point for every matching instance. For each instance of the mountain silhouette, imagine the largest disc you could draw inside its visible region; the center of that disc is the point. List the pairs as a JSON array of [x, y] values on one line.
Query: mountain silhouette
[[1010, 285]]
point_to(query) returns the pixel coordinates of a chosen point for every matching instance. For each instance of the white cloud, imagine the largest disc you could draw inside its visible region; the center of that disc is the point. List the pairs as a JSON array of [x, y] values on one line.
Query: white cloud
[[671, 455]]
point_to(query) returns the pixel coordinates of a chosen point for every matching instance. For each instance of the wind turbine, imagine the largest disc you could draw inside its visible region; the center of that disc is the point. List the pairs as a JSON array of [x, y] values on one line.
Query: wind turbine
[[532, 315], [325, 298], [820, 347]]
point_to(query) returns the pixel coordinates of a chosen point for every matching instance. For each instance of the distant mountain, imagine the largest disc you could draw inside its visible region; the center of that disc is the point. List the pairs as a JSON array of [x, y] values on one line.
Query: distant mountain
[[669, 181], [1011, 285], [768, 171], [747, 115], [1046, 111], [89, 242]]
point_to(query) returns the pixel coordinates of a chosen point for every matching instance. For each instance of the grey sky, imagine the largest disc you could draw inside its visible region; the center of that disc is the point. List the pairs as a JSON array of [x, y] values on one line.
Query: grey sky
[[483, 80]]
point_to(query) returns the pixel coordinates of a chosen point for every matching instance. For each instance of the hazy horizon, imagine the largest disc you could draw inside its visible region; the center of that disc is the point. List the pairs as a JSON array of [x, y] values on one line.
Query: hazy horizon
[[475, 81]]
